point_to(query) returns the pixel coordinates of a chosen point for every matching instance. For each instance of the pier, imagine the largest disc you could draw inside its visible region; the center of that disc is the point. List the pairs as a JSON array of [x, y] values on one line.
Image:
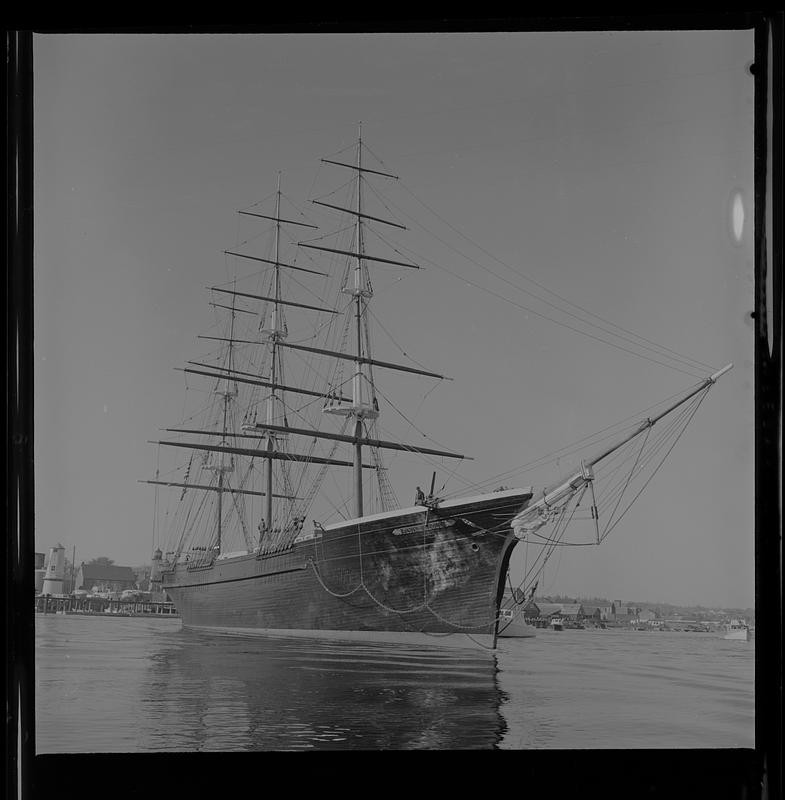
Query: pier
[[104, 607]]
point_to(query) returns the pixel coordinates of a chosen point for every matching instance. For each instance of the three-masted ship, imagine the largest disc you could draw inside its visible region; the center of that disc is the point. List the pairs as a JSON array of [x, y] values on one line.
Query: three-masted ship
[[432, 572]]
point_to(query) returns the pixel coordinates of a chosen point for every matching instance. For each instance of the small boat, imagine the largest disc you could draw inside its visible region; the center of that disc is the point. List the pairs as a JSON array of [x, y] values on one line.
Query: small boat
[[557, 623], [513, 626], [737, 629]]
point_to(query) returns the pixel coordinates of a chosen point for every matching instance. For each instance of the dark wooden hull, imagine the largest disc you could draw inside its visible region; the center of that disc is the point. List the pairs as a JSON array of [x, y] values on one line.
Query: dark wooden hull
[[418, 575]]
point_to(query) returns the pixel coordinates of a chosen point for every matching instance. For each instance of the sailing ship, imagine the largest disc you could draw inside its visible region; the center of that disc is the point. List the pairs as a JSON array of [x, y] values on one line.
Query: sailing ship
[[432, 572]]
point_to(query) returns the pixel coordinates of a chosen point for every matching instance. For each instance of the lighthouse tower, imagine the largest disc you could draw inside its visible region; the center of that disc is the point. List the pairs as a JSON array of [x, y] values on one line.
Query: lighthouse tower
[[55, 571], [155, 574]]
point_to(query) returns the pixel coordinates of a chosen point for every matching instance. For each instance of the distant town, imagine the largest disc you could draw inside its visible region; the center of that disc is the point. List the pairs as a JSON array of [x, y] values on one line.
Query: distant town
[[601, 612]]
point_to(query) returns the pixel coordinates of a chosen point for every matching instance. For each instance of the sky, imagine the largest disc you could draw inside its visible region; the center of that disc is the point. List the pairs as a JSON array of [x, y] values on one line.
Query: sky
[[602, 166]]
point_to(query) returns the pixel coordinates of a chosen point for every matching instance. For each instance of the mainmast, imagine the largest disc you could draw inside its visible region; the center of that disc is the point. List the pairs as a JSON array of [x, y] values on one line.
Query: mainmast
[[274, 334]]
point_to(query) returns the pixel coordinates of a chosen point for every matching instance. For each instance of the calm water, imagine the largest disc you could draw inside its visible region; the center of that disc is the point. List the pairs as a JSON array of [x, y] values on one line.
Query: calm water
[[128, 684]]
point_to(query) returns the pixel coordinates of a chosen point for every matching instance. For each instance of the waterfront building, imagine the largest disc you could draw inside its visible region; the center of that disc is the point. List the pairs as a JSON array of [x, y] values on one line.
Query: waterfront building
[[571, 611], [548, 610], [105, 578], [591, 612], [599, 613]]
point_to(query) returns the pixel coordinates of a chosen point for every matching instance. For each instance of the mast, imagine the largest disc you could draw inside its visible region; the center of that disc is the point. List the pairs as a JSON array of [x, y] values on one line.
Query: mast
[[221, 483], [363, 409], [274, 334], [361, 291], [223, 467], [357, 389]]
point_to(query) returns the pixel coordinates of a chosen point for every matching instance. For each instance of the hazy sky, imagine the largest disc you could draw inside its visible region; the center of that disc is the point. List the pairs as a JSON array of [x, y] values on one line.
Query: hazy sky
[[601, 165]]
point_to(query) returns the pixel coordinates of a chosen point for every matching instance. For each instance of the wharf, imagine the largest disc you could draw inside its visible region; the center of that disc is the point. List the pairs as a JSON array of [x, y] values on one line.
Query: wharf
[[104, 607]]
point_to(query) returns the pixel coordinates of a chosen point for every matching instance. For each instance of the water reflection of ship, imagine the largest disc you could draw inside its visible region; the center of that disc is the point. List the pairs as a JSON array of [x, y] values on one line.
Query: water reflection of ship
[[257, 693]]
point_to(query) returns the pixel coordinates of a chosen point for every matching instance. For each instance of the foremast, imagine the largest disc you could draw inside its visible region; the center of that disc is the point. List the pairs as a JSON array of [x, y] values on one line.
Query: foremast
[[363, 410], [362, 291]]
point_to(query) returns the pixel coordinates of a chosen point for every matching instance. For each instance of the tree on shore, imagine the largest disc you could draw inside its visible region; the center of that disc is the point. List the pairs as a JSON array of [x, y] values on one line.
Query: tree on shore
[[101, 561]]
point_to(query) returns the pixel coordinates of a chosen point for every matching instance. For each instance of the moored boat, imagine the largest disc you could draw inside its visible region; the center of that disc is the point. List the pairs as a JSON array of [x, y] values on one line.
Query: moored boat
[[737, 629], [368, 567], [513, 626]]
